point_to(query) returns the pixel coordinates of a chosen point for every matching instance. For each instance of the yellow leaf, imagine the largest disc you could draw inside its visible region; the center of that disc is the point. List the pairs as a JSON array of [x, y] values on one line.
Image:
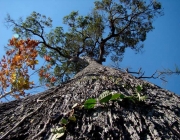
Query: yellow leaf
[[13, 77], [36, 61]]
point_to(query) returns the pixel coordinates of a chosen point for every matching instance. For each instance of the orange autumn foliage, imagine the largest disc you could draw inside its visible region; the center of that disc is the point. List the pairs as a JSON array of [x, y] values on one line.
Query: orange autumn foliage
[[46, 75], [20, 56], [47, 58]]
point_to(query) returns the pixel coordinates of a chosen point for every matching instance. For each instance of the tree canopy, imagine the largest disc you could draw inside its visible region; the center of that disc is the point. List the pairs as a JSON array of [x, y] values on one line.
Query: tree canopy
[[110, 28]]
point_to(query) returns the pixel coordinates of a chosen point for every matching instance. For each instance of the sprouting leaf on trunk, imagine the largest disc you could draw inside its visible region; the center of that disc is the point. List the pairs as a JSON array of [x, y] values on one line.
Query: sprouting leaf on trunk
[[116, 96], [90, 103], [72, 118], [105, 97], [64, 121], [139, 88]]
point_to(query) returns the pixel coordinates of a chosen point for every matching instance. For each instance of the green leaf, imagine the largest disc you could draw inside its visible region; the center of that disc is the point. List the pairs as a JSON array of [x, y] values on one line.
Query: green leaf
[[122, 96], [58, 130], [142, 98], [138, 95], [53, 130], [90, 103], [57, 136], [104, 94], [139, 88], [64, 121], [115, 96], [131, 98], [105, 97], [72, 118]]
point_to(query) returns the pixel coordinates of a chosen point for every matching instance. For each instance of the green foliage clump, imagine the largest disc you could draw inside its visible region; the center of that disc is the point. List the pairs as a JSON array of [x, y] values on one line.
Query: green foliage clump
[[107, 96], [106, 31]]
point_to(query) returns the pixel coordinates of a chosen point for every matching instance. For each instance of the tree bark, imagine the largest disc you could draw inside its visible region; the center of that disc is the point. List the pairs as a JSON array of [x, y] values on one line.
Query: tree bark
[[34, 116]]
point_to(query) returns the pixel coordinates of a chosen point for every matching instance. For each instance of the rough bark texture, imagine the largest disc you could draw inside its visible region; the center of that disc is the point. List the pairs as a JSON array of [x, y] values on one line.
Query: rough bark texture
[[33, 117]]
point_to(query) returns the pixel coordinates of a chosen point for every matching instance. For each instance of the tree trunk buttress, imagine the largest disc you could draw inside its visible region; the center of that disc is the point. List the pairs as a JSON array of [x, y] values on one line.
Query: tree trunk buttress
[[33, 117]]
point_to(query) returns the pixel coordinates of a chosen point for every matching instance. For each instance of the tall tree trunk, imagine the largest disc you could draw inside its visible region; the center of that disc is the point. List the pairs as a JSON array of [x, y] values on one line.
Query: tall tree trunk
[[35, 116]]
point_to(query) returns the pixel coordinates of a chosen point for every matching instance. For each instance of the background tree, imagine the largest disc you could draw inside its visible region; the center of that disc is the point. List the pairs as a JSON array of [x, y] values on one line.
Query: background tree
[[110, 28]]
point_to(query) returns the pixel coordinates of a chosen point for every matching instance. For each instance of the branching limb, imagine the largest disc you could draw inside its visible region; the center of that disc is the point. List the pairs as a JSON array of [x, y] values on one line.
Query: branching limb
[[6, 93], [155, 75], [170, 72], [142, 74], [40, 35]]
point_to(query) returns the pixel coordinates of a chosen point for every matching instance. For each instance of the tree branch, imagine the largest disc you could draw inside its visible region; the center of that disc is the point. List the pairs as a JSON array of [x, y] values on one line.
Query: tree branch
[[153, 76], [41, 36]]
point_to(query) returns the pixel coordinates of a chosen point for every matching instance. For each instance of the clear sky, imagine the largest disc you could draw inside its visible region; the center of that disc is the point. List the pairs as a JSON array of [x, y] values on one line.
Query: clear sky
[[161, 49]]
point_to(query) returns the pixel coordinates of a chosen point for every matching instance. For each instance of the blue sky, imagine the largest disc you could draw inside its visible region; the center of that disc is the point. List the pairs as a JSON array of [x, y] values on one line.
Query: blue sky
[[161, 49]]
